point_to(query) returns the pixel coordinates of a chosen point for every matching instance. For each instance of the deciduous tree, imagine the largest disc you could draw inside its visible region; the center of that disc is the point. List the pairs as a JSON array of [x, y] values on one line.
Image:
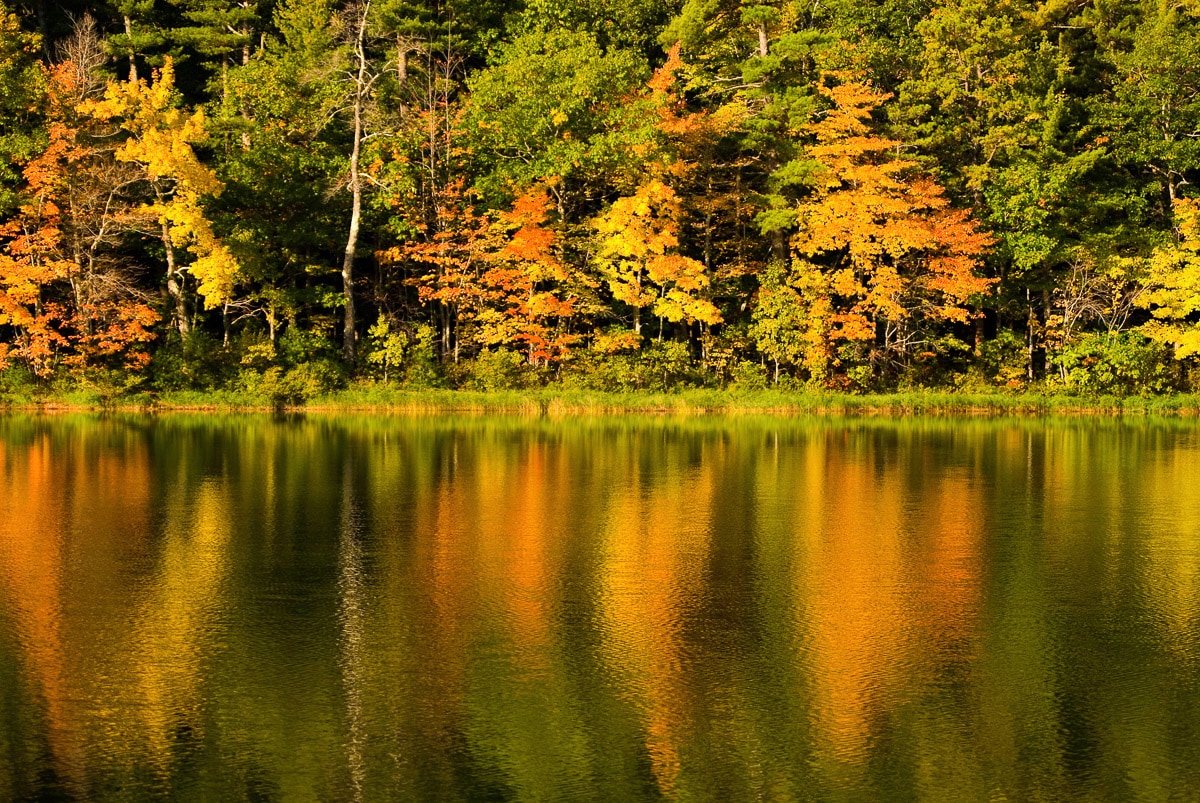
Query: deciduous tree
[[880, 252]]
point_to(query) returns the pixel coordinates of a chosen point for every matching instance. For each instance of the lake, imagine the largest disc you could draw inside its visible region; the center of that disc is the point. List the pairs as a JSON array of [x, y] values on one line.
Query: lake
[[218, 607]]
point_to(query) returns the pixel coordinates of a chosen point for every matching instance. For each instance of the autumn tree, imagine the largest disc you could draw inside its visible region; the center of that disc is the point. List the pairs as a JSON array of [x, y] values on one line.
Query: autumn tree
[[67, 286], [159, 140], [530, 284], [1173, 285], [638, 256], [880, 254], [452, 253]]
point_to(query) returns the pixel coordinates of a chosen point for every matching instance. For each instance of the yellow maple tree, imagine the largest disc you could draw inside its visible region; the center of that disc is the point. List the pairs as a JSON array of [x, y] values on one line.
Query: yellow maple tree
[[639, 258], [161, 136], [1173, 284]]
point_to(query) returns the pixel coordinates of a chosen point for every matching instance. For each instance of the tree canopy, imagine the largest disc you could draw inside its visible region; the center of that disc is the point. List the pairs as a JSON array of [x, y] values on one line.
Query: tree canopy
[[286, 196]]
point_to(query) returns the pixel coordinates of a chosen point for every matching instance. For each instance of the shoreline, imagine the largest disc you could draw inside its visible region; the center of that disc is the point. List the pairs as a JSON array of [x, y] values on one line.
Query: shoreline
[[561, 402]]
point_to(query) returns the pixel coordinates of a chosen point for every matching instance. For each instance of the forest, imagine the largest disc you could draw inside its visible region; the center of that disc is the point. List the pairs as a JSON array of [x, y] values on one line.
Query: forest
[[285, 197]]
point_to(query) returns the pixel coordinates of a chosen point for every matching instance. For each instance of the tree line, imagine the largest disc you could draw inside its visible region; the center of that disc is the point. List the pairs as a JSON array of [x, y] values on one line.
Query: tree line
[[280, 197]]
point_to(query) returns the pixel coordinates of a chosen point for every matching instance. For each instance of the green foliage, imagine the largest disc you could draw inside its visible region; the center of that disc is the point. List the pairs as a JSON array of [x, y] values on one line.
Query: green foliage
[[781, 319], [615, 24], [21, 89], [1153, 112], [298, 346], [17, 384], [1119, 364], [385, 347], [498, 369], [302, 365], [657, 367], [549, 110], [278, 385], [197, 362], [747, 375], [1002, 360], [421, 368]]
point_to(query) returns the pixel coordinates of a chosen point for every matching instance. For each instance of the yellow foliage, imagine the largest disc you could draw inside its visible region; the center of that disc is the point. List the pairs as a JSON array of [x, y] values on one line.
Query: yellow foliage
[[161, 139], [1173, 283], [638, 238]]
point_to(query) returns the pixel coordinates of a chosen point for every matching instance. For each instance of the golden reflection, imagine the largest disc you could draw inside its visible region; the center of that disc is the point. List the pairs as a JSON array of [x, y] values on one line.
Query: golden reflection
[[32, 564], [889, 571], [655, 549], [173, 634], [1171, 571], [394, 610], [855, 613], [522, 509], [949, 520]]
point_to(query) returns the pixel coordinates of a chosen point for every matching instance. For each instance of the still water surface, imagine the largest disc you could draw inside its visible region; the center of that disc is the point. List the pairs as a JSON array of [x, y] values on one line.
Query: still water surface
[[225, 608]]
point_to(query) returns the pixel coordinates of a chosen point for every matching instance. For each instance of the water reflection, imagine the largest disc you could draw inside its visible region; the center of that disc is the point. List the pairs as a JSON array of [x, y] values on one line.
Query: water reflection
[[371, 608]]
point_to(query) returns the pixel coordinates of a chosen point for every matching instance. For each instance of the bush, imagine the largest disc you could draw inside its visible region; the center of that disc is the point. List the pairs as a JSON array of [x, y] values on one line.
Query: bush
[[747, 375], [935, 364], [298, 346], [297, 385], [1005, 359], [420, 359], [501, 369], [1120, 364], [658, 366], [385, 348], [16, 380], [197, 362]]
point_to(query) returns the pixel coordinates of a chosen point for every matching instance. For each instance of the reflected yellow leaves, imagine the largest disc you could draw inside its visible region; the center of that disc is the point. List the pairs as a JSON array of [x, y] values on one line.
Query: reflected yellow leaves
[[654, 549], [1169, 493], [176, 624]]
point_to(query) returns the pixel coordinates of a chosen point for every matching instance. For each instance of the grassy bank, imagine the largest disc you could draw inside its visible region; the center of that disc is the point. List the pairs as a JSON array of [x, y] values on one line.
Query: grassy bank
[[557, 401]]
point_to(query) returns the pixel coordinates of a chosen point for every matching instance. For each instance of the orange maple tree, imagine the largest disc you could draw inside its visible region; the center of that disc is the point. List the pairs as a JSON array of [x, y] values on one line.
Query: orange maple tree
[[495, 277], [879, 252], [529, 282], [65, 288]]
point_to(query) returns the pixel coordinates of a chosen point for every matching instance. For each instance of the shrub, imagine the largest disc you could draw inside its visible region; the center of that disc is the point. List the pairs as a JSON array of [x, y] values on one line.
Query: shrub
[[747, 375], [420, 363], [197, 362], [1121, 364], [1004, 359], [501, 369], [657, 366]]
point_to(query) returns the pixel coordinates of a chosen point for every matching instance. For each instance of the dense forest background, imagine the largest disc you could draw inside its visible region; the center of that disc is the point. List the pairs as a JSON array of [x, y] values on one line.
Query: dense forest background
[[282, 197]]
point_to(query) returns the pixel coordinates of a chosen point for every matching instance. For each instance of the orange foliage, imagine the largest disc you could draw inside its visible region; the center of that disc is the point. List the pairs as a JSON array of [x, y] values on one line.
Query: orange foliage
[[63, 287], [499, 276], [529, 276], [877, 236]]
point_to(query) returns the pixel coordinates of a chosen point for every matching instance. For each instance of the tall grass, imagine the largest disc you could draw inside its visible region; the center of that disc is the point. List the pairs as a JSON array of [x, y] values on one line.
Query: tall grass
[[561, 402]]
